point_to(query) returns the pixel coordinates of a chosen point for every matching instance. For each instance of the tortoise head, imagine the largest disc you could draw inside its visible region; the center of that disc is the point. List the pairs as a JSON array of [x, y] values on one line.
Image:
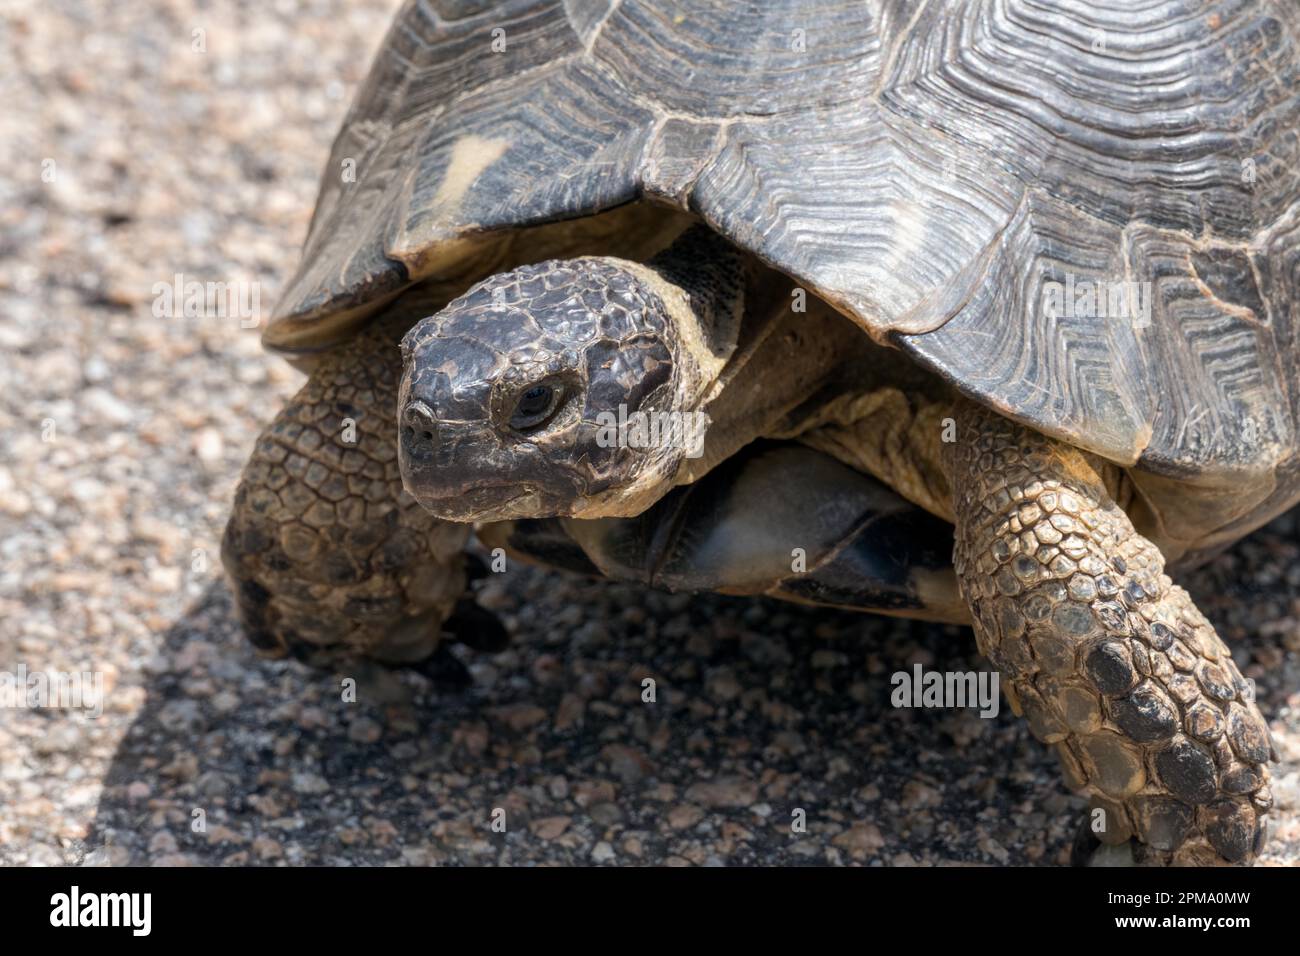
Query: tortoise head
[[513, 395]]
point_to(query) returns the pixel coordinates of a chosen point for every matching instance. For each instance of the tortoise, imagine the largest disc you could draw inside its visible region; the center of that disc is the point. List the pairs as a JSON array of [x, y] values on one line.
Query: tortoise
[[978, 312]]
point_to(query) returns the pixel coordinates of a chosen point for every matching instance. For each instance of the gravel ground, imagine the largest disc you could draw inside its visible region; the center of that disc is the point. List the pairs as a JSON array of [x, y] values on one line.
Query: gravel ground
[[135, 149]]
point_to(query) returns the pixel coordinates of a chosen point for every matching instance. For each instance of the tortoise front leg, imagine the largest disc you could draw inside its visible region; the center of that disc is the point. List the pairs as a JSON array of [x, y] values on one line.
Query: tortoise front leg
[[1101, 653], [330, 558]]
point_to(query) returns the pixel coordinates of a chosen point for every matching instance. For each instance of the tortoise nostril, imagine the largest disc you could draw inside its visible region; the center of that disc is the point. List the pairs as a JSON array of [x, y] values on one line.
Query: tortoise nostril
[[418, 428]]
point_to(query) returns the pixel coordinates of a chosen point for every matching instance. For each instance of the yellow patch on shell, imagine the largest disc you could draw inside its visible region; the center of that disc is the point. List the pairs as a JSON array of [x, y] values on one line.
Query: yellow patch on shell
[[429, 241], [470, 156]]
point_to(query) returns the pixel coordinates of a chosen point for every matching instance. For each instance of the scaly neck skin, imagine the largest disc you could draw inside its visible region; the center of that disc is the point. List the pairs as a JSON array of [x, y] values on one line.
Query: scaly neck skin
[[702, 280], [777, 364], [746, 359], [758, 368], [792, 368]]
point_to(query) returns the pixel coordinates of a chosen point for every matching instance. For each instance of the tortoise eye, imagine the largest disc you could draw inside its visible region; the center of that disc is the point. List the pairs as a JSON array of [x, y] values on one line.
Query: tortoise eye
[[535, 406]]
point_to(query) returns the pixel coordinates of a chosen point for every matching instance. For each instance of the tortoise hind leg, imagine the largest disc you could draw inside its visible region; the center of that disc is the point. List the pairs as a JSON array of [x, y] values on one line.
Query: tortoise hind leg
[[1104, 656], [329, 557]]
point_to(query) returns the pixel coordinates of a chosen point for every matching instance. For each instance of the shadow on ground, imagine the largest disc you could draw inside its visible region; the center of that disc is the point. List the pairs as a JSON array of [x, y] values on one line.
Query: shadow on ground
[[762, 710]]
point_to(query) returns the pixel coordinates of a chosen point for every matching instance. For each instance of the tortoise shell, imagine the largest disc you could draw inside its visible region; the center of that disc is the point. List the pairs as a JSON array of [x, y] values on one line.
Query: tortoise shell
[[1085, 215]]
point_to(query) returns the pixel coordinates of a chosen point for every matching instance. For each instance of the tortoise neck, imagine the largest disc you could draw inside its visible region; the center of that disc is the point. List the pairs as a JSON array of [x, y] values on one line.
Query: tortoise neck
[[788, 366], [712, 272], [702, 282], [770, 349]]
